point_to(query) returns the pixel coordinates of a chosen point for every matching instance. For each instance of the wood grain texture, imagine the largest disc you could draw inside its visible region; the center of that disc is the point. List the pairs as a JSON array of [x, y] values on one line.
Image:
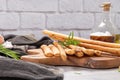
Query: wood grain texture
[[88, 62]]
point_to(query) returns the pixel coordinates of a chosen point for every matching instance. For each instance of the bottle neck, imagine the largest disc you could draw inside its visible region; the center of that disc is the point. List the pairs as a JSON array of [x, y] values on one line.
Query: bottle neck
[[106, 16]]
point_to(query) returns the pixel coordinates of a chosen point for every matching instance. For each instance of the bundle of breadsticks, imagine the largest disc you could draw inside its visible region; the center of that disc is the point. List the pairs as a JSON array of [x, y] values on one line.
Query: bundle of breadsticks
[[56, 49], [87, 46]]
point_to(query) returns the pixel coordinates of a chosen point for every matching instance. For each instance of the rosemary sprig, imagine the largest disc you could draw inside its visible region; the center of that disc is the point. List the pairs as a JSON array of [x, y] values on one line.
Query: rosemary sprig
[[8, 52], [70, 40]]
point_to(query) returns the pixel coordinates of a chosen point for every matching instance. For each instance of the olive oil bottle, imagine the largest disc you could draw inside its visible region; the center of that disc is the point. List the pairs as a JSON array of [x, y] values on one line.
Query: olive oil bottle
[[106, 30]]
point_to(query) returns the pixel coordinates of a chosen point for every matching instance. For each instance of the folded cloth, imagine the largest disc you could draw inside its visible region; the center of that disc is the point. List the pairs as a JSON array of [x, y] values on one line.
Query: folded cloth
[[27, 40], [11, 69], [21, 43]]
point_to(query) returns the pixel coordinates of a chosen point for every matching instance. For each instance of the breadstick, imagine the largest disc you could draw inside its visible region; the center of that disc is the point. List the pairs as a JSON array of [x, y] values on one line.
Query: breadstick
[[89, 52], [54, 50], [55, 35], [62, 51], [79, 54], [69, 51], [101, 48], [47, 51], [98, 53], [57, 38], [62, 37], [72, 46], [34, 51]]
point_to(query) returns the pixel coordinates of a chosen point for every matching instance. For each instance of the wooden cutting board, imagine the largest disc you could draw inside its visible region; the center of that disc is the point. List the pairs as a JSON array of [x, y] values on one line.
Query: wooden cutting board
[[89, 62]]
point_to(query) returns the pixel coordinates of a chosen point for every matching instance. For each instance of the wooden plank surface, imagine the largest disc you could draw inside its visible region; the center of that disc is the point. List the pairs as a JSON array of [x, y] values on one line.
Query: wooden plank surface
[[89, 62]]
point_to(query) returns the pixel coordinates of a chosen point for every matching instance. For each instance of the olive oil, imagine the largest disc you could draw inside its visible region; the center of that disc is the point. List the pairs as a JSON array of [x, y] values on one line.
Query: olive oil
[[106, 30]]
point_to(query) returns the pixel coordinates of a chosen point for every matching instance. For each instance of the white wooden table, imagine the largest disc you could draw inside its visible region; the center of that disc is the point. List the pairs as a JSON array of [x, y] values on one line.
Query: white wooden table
[[78, 73]]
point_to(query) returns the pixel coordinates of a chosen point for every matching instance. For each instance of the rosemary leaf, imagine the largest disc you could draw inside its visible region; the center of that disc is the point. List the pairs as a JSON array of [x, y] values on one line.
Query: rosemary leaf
[[70, 40], [8, 52]]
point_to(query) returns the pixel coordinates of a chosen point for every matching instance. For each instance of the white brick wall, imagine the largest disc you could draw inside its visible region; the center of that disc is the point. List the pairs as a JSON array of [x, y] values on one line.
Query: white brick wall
[[33, 20], [9, 20], [70, 21], [70, 5], [32, 5], [32, 16], [2, 5]]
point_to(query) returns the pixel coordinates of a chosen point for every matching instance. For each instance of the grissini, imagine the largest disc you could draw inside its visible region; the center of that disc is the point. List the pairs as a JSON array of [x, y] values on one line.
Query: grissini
[[89, 52], [115, 51], [98, 53], [78, 51], [62, 37], [79, 54], [34, 51], [69, 51], [47, 51], [62, 51], [54, 49]]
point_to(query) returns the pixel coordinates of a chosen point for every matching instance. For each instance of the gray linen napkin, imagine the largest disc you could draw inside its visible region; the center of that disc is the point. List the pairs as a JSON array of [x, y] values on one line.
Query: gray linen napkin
[[11, 69]]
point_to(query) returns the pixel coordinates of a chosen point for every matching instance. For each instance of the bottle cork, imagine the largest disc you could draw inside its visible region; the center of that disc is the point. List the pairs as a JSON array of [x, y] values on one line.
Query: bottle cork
[[106, 6]]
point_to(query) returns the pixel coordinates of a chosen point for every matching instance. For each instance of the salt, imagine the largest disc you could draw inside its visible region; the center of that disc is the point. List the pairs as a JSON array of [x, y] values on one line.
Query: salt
[[101, 34]]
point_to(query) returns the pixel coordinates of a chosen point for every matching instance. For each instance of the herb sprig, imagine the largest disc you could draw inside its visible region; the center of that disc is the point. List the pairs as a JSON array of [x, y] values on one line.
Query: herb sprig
[[8, 52], [70, 40]]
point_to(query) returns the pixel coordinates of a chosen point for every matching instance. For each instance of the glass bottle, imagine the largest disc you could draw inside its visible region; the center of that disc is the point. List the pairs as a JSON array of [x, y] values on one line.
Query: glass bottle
[[106, 30]]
